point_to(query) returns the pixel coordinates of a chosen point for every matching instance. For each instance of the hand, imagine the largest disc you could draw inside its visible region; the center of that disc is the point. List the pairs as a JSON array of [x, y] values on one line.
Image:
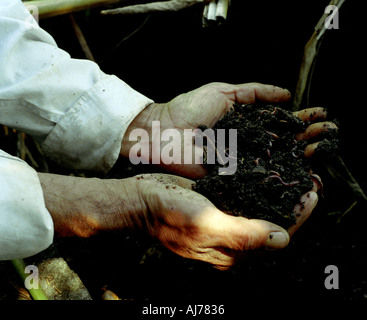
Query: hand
[[190, 225], [165, 207], [205, 106], [314, 129]]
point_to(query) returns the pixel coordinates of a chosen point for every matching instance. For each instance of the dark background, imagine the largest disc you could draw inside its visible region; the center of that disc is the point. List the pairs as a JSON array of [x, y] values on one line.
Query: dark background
[[261, 41]]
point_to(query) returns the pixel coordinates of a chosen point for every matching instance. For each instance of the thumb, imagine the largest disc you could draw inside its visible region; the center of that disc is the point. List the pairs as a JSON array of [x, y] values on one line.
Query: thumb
[[242, 234]]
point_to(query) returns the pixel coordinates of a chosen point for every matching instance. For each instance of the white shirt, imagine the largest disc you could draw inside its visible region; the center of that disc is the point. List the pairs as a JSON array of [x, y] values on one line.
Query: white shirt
[[78, 114]]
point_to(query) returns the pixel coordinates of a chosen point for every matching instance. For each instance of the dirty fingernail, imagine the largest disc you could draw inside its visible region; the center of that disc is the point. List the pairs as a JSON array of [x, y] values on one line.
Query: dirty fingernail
[[277, 240]]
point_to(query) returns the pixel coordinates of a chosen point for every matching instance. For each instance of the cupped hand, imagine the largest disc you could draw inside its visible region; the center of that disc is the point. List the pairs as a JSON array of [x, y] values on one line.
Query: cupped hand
[[191, 226], [205, 106]]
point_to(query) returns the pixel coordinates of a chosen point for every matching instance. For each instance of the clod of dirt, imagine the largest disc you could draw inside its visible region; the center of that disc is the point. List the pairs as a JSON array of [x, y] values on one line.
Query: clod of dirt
[[272, 172]]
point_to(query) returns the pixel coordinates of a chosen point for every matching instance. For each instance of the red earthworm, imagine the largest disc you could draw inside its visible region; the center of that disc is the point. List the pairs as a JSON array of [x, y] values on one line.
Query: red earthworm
[[288, 184], [257, 160], [261, 113], [228, 155], [264, 111], [268, 153], [274, 173], [272, 134], [274, 111]]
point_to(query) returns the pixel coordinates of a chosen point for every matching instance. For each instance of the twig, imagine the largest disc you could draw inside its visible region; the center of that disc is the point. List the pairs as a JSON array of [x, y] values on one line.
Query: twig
[[222, 9], [80, 36], [347, 211], [212, 9], [215, 11], [339, 171], [125, 39], [51, 8], [159, 6], [336, 166], [309, 56]]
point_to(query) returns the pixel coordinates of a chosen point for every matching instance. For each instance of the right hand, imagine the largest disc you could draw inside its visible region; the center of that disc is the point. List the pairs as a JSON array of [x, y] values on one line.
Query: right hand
[[191, 226]]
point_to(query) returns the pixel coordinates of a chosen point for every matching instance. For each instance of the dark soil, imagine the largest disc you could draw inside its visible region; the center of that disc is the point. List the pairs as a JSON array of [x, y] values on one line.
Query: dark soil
[[272, 172]]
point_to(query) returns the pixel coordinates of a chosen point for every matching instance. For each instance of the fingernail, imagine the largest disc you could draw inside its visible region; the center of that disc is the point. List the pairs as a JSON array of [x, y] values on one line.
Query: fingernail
[[277, 240]]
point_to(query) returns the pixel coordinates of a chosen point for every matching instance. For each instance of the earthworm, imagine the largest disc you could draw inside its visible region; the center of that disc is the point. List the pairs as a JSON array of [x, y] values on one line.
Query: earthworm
[[274, 173], [264, 111], [228, 155], [295, 155], [272, 134], [261, 113], [288, 184]]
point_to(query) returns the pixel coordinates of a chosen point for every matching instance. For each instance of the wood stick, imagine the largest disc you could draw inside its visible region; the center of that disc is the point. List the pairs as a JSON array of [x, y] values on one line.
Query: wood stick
[[309, 56], [335, 166], [51, 8], [79, 34], [222, 9], [159, 6], [212, 9]]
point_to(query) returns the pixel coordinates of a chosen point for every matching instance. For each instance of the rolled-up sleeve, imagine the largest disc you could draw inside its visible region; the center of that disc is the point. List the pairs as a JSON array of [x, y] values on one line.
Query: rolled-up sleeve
[[77, 112], [26, 227]]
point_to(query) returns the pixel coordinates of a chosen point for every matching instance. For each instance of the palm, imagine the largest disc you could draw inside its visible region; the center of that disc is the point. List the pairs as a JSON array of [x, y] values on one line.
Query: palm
[[205, 106]]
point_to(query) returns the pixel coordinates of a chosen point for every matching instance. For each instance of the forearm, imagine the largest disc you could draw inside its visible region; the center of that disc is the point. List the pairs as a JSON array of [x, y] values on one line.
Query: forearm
[[78, 113], [87, 206]]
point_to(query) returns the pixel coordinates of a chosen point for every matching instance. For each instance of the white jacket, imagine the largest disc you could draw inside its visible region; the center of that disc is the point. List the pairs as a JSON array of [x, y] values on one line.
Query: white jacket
[[78, 114]]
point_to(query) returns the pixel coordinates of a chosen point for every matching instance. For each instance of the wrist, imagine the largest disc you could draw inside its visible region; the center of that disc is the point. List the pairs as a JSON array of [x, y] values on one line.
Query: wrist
[[87, 206], [142, 121]]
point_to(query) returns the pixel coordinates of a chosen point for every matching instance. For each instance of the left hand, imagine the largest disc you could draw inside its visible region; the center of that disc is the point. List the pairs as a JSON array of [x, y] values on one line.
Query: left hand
[[205, 106]]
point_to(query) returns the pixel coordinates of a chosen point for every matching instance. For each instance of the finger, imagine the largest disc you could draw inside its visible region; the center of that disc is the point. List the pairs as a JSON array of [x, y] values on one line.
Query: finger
[[241, 234], [303, 210], [311, 114], [167, 179], [317, 183], [315, 129], [253, 92], [311, 149]]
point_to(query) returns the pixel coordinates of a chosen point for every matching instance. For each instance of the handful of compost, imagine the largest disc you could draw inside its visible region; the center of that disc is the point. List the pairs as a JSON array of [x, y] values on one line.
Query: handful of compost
[[272, 171]]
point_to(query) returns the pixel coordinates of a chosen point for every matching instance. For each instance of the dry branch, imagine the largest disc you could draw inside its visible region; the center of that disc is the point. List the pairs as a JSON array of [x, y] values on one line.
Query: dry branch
[[159, 6], [80, 36], [336, 166], [309, 56], [51, 8]]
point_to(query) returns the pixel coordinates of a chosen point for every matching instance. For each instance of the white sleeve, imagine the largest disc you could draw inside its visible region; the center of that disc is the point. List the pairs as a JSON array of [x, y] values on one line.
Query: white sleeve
[[77, 112], [26, 227]]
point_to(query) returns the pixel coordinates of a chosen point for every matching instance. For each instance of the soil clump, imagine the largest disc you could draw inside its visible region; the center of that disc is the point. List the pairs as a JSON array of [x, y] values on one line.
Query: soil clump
[[272, 172]]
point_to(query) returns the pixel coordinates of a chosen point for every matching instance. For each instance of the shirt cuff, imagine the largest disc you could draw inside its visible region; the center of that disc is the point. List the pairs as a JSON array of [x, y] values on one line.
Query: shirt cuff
[[26, 226], [90, 133]]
